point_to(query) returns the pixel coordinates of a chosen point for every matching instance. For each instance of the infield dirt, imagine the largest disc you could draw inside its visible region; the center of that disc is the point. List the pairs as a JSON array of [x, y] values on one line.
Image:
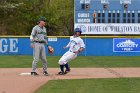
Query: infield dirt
[[12, 82]]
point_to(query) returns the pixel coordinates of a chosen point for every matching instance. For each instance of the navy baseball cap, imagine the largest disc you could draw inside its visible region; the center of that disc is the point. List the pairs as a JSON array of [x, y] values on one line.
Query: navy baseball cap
[[77, 30], [42, 19]]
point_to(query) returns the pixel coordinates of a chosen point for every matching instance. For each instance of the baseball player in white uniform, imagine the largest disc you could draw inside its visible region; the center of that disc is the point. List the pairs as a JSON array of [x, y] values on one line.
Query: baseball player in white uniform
[[75, 46]]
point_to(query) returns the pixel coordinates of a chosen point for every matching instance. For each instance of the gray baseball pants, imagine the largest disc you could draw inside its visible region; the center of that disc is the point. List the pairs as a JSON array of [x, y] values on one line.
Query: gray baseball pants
[[39, 52]]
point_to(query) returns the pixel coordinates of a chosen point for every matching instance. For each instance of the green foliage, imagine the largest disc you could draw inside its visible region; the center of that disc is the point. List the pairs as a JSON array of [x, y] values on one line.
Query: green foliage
[[60, 16], [17, 17]]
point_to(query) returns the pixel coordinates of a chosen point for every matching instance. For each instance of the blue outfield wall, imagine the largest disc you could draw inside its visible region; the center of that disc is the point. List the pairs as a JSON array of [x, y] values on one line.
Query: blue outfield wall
[[94, 46]]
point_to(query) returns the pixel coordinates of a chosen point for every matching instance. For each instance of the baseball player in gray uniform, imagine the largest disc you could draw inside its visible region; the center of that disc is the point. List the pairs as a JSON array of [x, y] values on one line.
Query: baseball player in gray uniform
[[75, 45], [38, 39]]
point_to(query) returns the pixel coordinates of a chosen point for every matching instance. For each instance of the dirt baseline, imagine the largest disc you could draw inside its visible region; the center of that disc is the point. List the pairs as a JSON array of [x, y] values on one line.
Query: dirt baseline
[[12, 82]]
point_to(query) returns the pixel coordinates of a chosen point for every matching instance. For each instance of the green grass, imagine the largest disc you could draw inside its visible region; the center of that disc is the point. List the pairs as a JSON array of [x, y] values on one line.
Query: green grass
[[80, 61], [118, 85]]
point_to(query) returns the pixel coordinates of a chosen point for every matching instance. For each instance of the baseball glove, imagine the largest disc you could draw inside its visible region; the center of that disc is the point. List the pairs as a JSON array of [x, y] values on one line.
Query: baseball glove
[[50, 50]]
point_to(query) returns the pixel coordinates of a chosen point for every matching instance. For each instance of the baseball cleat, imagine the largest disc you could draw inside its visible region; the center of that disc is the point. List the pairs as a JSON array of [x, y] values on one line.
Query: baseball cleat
[[46, 73], [67, 71], [61, 73], [34, 74]]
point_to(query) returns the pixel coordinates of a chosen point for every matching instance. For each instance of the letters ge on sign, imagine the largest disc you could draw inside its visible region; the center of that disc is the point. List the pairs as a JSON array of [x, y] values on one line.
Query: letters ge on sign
[[8, 45]]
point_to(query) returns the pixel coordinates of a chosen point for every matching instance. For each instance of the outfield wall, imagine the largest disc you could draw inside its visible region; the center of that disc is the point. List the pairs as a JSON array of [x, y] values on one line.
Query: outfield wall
[[95, 45]]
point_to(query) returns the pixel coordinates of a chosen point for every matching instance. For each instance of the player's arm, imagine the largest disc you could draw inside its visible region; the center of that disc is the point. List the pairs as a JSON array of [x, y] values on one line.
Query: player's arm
[[33, 34], [82, 47], [45, 37], [32, 37], [50, 48], [68, 45], [80, 50], [46, 42]]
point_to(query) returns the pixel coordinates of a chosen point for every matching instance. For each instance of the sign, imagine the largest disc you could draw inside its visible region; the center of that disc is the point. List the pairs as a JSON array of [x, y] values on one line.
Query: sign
[[87, 1], [8, 45], [100, 28], [83, 17], [52, 39], [107, 17], [125, 1], [105, 1], [82, 1], [126, 45]]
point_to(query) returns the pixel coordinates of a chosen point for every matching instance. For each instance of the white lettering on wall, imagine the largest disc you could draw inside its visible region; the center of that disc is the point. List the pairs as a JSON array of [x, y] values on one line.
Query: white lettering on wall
[[114, 28], [83, 20], [83, 14], [8, 45], [13, 47], [3, 45]]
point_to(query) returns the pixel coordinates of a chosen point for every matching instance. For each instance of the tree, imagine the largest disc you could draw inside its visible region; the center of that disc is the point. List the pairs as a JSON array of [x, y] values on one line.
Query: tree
[[17, 17], [61, 16]]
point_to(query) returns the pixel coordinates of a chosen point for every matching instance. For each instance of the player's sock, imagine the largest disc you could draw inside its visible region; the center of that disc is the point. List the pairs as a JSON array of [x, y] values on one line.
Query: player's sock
[[62, 68], [67, 66]]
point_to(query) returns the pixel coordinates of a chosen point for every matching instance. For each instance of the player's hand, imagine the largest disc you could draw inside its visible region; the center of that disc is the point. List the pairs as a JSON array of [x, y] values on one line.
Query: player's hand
[[32, 45], [45, 42]]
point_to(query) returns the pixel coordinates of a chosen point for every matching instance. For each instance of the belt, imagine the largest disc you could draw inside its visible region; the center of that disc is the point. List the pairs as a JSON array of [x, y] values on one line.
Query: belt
[[72, 51], [39, 41]]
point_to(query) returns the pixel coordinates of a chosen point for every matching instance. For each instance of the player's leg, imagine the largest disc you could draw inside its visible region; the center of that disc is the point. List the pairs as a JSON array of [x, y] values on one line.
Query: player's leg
[[70, 57], [65, 59], [43, 59], [62, 70], [35, 59], [67, 68], [62, 64]]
